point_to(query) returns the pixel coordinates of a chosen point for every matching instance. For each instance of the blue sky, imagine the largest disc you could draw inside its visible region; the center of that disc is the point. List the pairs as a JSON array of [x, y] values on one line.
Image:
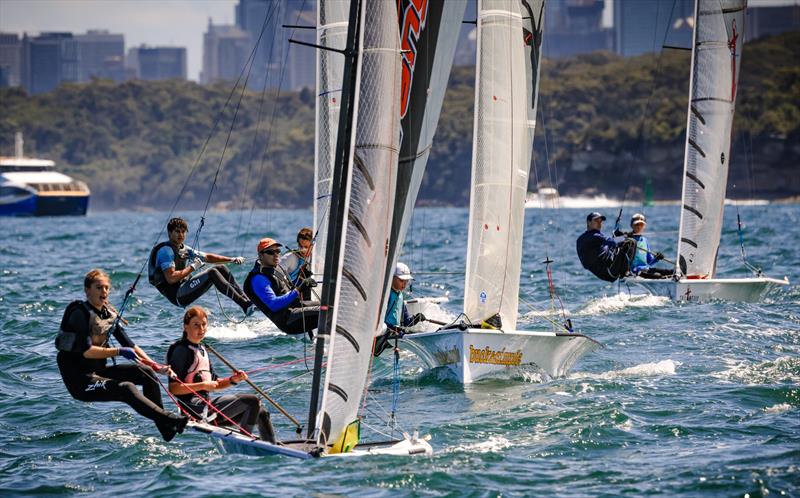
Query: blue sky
[[154, 22]]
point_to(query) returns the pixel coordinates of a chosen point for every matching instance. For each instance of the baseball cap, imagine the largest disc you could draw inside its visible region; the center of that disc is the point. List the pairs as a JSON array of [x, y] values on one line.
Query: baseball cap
[[267, 242], [594, 215], [403, 272], [638, 218]]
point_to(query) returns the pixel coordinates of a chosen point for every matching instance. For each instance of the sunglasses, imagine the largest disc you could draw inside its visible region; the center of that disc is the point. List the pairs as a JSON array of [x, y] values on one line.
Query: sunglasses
[[271, 252]]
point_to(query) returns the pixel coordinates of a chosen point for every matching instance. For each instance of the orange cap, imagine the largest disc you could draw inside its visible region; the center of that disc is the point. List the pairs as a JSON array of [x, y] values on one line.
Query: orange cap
[[265, 243]]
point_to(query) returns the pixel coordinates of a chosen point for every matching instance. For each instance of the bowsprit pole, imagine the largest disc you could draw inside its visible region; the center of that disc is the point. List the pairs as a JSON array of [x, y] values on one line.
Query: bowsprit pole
[[298, 427]]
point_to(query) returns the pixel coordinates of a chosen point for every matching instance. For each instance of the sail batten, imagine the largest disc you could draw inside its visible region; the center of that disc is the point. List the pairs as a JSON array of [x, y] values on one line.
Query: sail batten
[[716, 57], [507, 72]]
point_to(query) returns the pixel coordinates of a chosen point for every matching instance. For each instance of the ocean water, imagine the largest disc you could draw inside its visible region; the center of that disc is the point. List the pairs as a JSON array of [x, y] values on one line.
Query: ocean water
[[685, 399]]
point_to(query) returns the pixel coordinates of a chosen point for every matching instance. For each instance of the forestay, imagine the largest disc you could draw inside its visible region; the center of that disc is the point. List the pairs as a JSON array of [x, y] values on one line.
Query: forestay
[[368, 194], [331, 32], [429, 32], [716, 59], [509, 38]]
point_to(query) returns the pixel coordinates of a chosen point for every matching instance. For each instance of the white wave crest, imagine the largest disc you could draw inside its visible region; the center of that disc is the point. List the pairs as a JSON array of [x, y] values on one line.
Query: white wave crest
[[783, 369], [491, 445], [242, 331], [619, 302], [779, 408], [663, 367]]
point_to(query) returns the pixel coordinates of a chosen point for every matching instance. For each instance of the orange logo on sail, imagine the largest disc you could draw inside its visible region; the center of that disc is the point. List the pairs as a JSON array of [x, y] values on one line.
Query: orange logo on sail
[[412, 14]]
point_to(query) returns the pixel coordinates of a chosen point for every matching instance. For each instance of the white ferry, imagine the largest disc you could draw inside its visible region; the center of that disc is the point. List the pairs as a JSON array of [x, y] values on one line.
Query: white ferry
[[31, 187]]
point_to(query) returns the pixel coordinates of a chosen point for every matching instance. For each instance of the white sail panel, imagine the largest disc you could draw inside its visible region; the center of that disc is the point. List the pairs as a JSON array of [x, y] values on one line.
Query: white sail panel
[[331, 32], [509, 36], [716, 59], [358, 308]]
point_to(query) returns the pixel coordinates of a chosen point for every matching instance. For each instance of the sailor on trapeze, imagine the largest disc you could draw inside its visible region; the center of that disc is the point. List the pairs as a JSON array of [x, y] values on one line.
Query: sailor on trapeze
[[609, 258]]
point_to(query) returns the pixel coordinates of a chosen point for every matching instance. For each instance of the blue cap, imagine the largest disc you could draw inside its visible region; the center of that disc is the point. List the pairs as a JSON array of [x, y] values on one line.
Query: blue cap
[[594, 215]]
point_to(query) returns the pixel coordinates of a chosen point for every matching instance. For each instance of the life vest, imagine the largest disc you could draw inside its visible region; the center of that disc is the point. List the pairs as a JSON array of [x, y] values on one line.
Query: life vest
[[155, 275], [280, 284], [99, 328], [394, 310], [640, 257], [200, 369], [300, 271]]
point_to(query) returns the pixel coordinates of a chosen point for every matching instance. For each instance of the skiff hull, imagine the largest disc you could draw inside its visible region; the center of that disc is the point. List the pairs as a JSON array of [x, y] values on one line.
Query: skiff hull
[[232, 442], [727, 289], [473, 354]]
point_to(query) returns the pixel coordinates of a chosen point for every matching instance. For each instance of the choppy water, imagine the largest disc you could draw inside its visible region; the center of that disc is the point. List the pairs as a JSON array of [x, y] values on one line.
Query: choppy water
[[684, 400]]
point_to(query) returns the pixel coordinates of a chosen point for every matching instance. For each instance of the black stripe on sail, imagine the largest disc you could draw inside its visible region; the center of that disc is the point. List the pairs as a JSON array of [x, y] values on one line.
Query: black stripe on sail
[[347, 335], [360, 227], [697, 114], [690, 242], [696, 180], [338, 390], [359, 163], [697, 147], [360, 288], [693, 210]]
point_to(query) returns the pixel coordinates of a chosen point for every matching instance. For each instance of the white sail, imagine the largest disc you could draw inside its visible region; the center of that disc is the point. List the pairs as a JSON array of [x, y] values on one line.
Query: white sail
[[331, 32], [369, 199], [716, 59], [506, 87]]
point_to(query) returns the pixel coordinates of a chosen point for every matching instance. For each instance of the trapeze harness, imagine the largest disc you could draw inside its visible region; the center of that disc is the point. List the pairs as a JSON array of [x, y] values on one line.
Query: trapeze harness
[[156, 277], [280, 285]]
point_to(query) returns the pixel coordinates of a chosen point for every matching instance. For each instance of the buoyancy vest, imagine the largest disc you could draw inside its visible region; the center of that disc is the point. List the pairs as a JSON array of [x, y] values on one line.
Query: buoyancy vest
[[280, 284], [99, 328], [155, 275], [394, 309], [200, 369], [640, 257]]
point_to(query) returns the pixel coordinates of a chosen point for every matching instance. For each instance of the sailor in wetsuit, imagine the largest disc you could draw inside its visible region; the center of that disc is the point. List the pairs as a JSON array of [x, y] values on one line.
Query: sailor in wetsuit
[[172, 266], [83, 347], [189, 360], [297, 262], [608, 258], [271, 290]]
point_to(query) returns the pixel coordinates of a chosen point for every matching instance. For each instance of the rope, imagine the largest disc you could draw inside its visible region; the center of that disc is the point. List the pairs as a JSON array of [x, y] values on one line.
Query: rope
[[395, 382]]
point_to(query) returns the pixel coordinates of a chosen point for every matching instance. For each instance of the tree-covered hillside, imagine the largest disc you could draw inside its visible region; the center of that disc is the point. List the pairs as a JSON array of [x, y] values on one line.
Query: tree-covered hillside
[[135, 143]]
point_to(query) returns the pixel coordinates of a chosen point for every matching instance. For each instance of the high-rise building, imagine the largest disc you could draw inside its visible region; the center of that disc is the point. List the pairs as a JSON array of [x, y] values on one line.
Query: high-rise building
[[47, 60], [575, 27], [10, 50], [301, 61], [766, 21], [226, 49], [157, 63], [100, 54], [643, 26]]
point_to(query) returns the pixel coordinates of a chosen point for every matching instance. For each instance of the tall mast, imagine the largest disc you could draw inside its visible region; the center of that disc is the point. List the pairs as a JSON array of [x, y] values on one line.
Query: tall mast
[[337, 207]]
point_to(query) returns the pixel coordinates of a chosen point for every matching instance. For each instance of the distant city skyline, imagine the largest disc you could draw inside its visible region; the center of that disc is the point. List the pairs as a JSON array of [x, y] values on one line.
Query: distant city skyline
[[178, 23]]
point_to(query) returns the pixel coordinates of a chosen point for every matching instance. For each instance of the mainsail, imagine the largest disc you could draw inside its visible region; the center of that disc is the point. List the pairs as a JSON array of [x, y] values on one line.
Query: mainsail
[[716, 57], [360, 229], [332, 33], [506, 89], [428, 34]]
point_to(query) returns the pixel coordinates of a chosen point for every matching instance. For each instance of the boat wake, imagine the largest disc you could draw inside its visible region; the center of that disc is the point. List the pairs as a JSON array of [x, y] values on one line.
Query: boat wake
[[783, 369], [242, 331], [657, 369], [611, 304], [491, 445]]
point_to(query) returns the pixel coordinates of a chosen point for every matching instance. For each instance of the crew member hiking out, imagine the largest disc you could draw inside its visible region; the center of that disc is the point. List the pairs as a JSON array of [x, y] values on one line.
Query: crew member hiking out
[[195, 379], [271, 290], [608, 258], [644, 260], [83, 348], [173, 270], [297, 262]]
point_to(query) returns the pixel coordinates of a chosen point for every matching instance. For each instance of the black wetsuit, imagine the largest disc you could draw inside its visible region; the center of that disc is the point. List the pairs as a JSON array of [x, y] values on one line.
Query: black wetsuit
[[191, 364], [188, 290], [607, 258], [296, 317], [92, 380]]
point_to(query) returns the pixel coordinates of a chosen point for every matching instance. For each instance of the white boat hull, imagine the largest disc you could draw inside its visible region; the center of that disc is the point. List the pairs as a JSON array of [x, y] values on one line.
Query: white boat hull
[[727, 289], [474, 353], [233, 442]]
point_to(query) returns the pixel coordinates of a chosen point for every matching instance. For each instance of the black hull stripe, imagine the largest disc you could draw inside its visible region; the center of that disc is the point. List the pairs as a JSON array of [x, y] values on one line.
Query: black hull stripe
[[360, 288], [338, 390], [697, 147], [696, 180], [690, 242], [693, 210], [347, 335]]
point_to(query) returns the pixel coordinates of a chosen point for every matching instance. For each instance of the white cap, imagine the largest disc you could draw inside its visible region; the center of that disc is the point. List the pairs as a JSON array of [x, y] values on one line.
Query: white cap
[[403, 272]]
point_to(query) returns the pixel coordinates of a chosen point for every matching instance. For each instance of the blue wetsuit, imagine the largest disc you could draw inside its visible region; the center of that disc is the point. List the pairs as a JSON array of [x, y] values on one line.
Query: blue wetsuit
[[608, 258]]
